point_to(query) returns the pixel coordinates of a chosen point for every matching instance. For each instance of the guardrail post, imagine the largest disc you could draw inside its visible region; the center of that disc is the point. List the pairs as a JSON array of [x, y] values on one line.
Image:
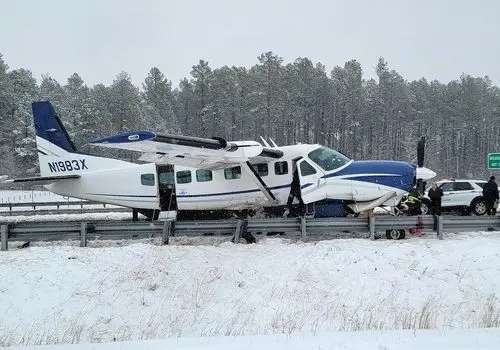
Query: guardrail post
[[371, 227], [4, 232], [440, 227], [303, 228], [83, 234], [237, 232], [167, 232]]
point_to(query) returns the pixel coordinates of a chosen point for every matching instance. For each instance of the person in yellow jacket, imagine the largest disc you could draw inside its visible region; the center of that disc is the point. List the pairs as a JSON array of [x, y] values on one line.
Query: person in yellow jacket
[[413, 202]]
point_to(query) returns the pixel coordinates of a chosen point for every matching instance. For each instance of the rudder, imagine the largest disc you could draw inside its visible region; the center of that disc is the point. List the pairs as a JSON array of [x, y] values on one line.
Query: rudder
[[49, 127]]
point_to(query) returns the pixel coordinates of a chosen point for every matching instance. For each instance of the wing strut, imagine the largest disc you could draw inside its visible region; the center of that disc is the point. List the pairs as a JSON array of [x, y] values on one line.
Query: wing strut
[[260, 183]]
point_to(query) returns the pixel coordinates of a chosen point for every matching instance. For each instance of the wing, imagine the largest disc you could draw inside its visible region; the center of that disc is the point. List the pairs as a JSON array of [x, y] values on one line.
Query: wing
[[38, 180], [214, 153]]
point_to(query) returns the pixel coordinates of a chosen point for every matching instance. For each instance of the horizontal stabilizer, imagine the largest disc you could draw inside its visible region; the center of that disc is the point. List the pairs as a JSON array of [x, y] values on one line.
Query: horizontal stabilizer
[[38, 180]]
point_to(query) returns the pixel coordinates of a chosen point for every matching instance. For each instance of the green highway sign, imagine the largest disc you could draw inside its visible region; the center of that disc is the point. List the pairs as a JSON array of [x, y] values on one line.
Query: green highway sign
[[493, 160]]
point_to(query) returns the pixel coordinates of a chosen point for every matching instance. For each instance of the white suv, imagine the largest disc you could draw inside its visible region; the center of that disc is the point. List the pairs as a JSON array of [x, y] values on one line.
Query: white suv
[[465, 196]]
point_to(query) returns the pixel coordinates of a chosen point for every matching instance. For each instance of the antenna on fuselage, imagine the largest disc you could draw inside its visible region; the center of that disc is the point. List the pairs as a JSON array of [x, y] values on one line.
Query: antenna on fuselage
[[265, 142], [274, 143]]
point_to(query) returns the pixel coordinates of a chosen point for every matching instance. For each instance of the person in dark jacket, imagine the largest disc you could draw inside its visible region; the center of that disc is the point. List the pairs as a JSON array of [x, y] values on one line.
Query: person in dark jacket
[[294, 191], [435, 194], [490, 193]]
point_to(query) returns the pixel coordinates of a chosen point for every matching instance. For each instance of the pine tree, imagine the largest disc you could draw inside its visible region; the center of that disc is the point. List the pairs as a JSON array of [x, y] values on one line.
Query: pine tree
[[202, 83], [77, 110], [159, 102], [22, 134]]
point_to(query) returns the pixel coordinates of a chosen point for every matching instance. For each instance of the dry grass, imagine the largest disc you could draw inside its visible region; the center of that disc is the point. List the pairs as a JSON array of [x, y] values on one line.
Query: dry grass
[[319, 316]]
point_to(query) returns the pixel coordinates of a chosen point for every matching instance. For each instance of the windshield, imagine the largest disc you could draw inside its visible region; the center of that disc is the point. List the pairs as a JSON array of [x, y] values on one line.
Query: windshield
[[327, 158]]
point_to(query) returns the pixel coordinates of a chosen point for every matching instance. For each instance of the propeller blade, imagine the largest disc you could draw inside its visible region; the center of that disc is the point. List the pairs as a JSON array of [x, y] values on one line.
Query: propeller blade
[[420, 152]]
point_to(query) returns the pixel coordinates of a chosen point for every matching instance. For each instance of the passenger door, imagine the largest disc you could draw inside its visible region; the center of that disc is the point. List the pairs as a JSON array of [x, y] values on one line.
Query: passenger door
[[312, 182], [166, 187], [447, 199]]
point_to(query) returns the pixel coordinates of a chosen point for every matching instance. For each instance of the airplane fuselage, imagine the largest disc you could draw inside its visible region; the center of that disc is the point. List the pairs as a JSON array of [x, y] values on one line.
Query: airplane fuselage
[[144, 186]]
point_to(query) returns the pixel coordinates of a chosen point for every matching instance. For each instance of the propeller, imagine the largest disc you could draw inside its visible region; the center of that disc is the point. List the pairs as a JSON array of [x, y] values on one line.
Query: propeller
[[422, 173], [421, 152]]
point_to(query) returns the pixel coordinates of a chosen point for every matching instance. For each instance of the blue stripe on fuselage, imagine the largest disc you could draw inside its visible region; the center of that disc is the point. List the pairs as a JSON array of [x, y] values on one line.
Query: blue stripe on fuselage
[[395, 174], [228, 193]]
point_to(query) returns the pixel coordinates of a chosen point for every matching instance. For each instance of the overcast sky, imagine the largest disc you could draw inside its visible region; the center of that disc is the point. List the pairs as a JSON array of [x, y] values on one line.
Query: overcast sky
[[435, 39]]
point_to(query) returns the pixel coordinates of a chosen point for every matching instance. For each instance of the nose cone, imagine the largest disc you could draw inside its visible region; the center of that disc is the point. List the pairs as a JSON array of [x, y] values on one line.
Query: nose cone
[[425, 173], [399, 175]]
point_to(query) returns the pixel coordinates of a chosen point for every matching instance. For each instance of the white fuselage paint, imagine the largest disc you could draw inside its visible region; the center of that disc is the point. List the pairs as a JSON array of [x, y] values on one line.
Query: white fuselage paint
[[119, 182]]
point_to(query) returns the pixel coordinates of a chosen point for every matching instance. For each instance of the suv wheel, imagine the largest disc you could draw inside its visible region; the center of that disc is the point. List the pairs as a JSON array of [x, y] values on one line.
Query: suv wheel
[[425, 206], [395, 234], [478, 206]]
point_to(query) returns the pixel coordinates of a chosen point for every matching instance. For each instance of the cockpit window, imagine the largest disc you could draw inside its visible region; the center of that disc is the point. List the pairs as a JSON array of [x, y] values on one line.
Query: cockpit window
[[327, 158]]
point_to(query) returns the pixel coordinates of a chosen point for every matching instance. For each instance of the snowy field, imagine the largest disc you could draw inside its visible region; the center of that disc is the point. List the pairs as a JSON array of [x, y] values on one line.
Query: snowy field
[[277, 294]]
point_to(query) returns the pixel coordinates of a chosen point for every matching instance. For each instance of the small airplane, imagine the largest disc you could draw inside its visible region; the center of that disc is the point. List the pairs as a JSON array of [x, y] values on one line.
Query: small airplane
[[211, 175]]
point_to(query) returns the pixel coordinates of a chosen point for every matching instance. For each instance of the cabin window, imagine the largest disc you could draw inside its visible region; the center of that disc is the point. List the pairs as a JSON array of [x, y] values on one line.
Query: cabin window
[[203, 175], [306, 169], [183, 177], [261, 169], [327, 158], [148, 179], [281, 168], [232, 173]]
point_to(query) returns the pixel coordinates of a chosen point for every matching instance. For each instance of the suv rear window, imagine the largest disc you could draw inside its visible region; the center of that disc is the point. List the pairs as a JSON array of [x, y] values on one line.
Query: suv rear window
[[480, 184]]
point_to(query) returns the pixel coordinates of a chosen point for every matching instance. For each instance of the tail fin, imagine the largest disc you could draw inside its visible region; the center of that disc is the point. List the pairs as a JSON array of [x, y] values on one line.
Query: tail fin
[[49, 127], [57, 155]]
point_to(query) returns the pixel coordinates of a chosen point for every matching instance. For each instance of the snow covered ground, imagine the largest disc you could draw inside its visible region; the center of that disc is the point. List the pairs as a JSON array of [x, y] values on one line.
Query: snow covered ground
[[475, 339], [276, 294]]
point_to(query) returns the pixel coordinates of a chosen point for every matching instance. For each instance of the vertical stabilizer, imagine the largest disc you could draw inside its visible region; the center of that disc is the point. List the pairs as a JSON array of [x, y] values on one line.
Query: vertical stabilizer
[[49, 127], [57, 154]]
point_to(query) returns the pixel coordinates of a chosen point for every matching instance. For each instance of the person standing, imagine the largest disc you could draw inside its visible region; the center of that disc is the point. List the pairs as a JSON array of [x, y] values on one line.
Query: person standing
[[295, 191], [490, 193], [414, 202], [435, 194]]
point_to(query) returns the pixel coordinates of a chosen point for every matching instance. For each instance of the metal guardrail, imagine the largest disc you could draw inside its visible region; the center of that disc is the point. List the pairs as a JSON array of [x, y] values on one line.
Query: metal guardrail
[[60, 207], [304, 227]]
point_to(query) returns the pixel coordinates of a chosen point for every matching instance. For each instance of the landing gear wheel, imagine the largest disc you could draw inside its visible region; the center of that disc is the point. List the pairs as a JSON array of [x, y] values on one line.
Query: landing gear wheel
[[395, 234], [478, 206]]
